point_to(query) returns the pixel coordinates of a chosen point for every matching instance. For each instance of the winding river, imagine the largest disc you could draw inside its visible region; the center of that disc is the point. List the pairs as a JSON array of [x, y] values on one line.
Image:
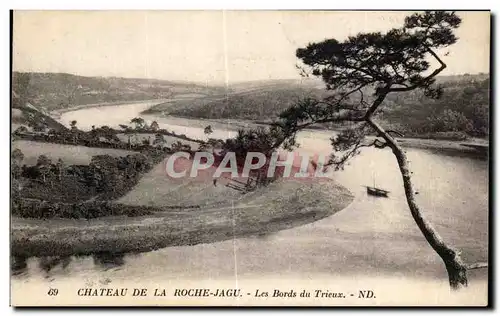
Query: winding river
[[371, 238]]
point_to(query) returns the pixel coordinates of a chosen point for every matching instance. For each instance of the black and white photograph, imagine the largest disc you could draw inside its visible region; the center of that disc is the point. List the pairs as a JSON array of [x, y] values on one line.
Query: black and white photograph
[[250, 158]]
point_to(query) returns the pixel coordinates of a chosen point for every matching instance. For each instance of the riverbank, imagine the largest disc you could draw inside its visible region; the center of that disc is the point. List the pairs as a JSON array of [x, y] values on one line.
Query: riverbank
[[281, 205], [472, 147], [58, 112]]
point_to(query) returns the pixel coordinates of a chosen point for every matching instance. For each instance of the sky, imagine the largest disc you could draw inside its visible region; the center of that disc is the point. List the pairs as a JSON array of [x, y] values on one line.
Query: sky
[[208, 46]]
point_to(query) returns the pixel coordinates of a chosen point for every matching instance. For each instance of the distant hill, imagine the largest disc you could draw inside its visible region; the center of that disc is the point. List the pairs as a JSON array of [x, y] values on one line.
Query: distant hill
[[53, 91], [462, 79], [257, 100], [464, 106]]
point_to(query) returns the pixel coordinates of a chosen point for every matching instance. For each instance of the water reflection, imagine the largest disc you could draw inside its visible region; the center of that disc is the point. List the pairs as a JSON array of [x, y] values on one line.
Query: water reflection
[[18, 265], [109, 260], [49, 263], [50, 266]]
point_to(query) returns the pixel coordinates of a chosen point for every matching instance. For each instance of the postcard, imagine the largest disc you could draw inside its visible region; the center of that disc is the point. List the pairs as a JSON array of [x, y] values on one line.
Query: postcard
[[250, 158]]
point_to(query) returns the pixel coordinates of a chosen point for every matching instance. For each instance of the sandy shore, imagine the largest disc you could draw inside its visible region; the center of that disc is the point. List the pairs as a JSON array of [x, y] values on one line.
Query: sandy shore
[[281, 205]]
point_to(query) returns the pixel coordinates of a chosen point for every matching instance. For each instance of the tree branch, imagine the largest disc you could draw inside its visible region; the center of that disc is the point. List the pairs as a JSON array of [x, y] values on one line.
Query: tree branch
[[381, 97], [345, 95], [426, 79], [346, 116], [477, 265], [382, 133], [395, 132], [379, 144]]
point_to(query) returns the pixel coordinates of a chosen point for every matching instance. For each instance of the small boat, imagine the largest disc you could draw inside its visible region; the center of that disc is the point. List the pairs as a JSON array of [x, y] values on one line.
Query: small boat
[[376, 191]]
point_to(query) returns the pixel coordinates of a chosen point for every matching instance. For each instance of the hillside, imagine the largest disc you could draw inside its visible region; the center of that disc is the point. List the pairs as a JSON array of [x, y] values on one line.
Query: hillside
[[462, 111], [53, 91], [24, 113], [258, 100], [463, 108]]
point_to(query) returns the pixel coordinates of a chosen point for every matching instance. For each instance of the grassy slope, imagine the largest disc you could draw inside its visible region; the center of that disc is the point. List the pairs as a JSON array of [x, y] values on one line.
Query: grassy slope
[[156, 189], [28, 114], [280, 206]]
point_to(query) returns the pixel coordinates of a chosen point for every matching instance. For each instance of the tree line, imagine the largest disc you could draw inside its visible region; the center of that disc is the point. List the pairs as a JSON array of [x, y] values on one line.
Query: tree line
[[104, 136]]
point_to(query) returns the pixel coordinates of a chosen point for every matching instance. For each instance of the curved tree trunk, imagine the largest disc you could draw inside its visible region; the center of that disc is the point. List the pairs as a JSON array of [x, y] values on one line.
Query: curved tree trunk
[[457, 270]]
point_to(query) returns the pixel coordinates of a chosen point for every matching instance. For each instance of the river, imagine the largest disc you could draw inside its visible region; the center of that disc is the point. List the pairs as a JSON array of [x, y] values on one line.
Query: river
[[371, 238]]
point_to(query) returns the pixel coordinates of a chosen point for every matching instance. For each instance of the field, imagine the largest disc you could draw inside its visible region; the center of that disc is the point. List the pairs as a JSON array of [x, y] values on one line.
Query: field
[[188, 211], [157, 189], [279, 206], [75, 155]]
